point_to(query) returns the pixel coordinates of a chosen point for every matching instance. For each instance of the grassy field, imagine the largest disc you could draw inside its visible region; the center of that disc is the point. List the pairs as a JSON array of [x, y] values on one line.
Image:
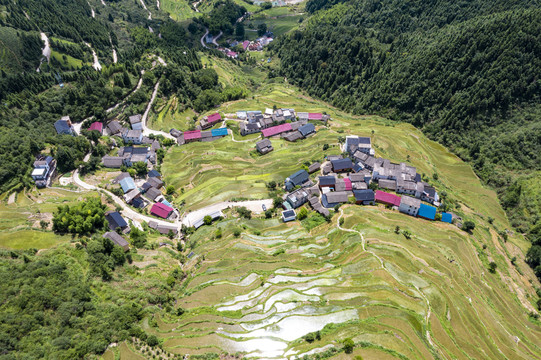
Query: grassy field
[[178, 9], [19, 221]]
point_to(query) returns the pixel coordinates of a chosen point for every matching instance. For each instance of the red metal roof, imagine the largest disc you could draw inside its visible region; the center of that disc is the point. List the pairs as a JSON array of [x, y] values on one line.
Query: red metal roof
[[161, 210], [348, 184], [96, 126], [194, 134], [315, 116], [275, 130], [386, 198], [213, 118]]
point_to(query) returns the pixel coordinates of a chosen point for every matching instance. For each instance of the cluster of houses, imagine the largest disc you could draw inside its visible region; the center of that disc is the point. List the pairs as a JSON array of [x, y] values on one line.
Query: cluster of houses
[[347, 178], [144, 192], [44, 168], [201, 133], [290, 125]]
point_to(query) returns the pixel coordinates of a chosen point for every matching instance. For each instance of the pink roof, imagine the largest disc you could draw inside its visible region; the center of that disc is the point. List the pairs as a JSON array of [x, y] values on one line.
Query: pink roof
[[96, 126], [213, 118], [194, 134], [161, 210], [275, 130], [387, 198], [231, 53], [348, 184], [315, 116], [245, 44]]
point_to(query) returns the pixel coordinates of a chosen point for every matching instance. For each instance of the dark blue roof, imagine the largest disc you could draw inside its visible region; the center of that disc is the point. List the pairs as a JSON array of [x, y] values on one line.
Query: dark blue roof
[[288, 213], [358, 167], [307, 129], [116, 220], [138, 203], [417, 177], [48, 159], [446, 217], [153, 173], [342, 164], [62, 127], [364, 195], [219, 132], [327, 180], [427, 212], [299, 177], [364, 140]]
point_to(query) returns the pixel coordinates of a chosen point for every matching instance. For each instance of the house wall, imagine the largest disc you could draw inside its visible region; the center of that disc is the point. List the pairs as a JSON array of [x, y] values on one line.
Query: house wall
[[410, 210]]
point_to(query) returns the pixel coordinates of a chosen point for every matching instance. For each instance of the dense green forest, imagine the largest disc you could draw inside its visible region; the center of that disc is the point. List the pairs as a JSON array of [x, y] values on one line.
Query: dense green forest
[[467, 73]]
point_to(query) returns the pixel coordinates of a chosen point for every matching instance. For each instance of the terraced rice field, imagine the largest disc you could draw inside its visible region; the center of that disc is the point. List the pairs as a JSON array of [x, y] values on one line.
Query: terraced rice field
[[428, 297]]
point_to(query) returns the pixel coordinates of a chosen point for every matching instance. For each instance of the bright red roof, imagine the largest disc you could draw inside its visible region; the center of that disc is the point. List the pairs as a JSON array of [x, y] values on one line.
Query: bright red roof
[[194, 134], [387, 198], [315, 116], [161, 210], [348, 184], [214, 117], [96, 126], [275, 130]]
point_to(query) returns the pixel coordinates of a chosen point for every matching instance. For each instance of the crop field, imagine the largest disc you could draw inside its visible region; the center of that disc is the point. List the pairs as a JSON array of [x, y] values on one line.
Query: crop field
[[178, 9], [427, 297]]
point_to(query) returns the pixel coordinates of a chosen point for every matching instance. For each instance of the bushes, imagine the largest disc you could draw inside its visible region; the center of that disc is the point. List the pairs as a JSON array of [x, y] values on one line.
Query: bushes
[[83, 218]]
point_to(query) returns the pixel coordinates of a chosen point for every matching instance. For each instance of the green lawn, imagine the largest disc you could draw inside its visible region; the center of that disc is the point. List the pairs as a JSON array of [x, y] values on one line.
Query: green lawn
[[31, 239]]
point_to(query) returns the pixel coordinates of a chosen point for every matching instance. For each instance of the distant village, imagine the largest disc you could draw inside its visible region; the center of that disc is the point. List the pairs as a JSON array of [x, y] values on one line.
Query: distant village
[[356, 176]]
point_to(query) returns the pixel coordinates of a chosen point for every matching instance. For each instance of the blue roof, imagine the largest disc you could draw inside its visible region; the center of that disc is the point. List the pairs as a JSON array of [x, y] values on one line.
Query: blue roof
[[138, 203], [358, 167], [116, 220], [165, 202], [364, 195], [127, 184], [299, 177], [342, 164], [219, 132], [446, 217], [427, 212], [307, 129], [62, 127], [153, 173], [327, 180]]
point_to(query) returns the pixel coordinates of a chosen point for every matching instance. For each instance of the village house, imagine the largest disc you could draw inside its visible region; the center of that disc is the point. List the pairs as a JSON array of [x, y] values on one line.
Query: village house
[[116, 221], [288, 215], [114, 128], [132, 154], [292, 136], [249, 128], [206, 136], [409, 205], [387, 198], [387, 184], [241, 115], [122, 175], [307, 130], [133, 136], [154, 173], [297, 179], [447, 217], [427, 212], [326, 168], [314, 167], [96, 126], [354, 143], [191, 136], [175, 133], [155, 182], [276, 130], [316, 205], [327, 181], [364, 197], [368, 162], [127, 184], [132, 196], [429, 194], [161, 210], [152, 194], [297, 198], [342, 165], [218, 133], [264, 146], [44, 168], [332, 199], [136, 122], [209, 121], [214, 216], [113, 162], [117, 240], [64, 126]]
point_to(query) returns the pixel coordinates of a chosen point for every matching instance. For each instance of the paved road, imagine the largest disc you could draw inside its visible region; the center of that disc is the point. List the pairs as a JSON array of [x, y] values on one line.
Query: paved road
[[215, 39], [203, 39], [146, 130]]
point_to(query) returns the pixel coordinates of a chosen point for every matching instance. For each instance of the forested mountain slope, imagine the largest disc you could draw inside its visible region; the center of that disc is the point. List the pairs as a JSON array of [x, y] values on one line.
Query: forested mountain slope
[[466, 72]]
